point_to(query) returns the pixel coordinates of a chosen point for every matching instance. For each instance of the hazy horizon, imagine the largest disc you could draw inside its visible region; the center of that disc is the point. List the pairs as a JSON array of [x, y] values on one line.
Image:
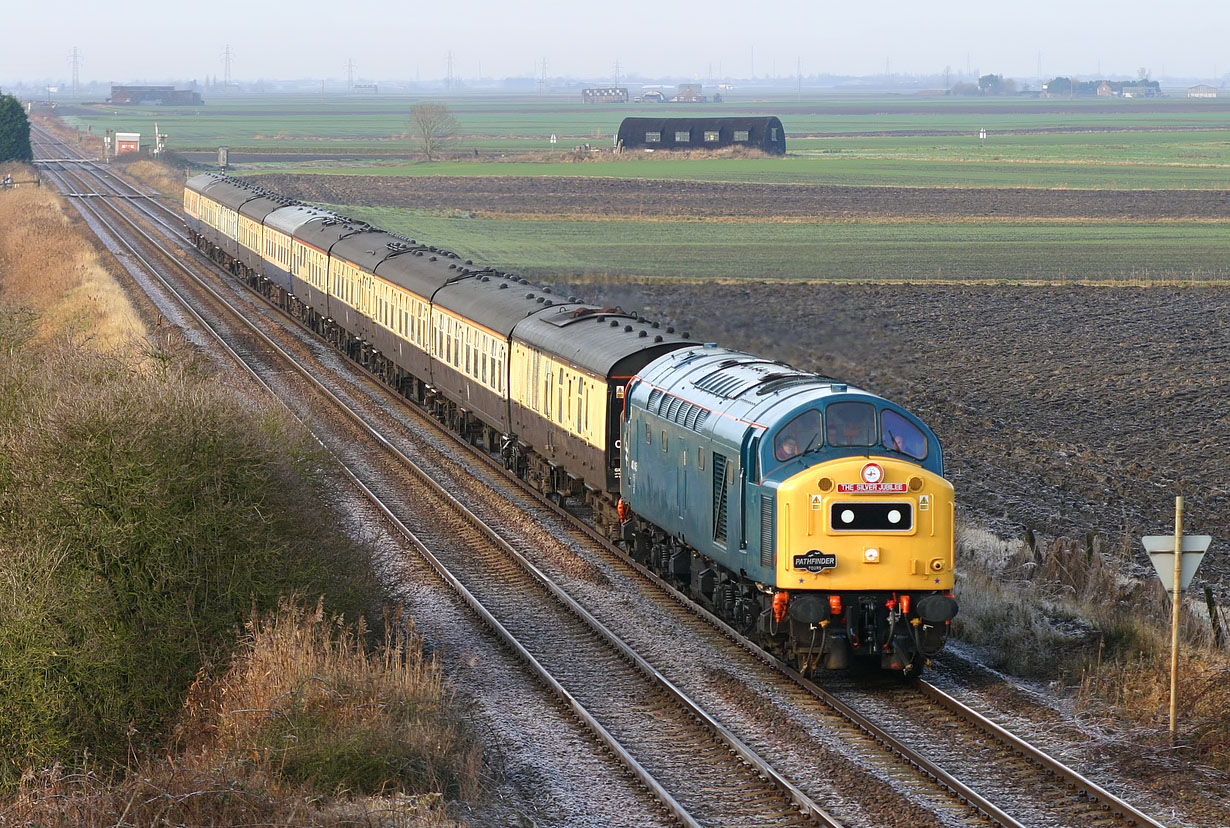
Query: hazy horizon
[[149, 41]]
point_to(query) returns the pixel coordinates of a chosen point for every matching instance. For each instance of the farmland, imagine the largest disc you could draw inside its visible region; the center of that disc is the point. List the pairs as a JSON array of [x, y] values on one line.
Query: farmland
[[835, 139]]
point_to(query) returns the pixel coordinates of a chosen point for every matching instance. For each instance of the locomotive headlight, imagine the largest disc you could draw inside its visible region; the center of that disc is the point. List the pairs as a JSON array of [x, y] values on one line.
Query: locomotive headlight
[[937, 564], [894, 516], [871, 555], [847, 516]]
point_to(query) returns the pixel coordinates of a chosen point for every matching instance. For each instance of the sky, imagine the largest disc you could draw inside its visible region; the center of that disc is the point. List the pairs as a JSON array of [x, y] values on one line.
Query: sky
[[162, 41]]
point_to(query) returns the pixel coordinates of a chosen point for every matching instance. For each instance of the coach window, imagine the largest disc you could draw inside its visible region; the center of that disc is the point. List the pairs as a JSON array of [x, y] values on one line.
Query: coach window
[[648, 435], [559, 403], [653, 137], [902, 435], [850, 424], [663, 439]]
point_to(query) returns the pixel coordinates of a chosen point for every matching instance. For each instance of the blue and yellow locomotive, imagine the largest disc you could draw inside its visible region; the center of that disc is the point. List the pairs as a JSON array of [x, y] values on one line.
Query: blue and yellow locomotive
[[810, 514]]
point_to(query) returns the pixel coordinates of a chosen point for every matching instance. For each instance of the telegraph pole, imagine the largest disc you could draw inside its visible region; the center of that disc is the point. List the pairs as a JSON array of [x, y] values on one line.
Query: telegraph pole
[[350, 74]]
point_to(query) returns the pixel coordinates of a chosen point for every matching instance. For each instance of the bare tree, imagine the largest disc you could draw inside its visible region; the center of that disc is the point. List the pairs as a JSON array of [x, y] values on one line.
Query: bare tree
[[433, 128]]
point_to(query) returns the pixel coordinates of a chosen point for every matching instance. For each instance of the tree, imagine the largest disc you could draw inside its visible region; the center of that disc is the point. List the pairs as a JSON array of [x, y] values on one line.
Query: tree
[[14, 131], [433, 128]]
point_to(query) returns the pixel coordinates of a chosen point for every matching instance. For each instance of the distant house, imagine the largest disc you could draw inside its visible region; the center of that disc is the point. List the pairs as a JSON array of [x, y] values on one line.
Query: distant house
[[1141, 91], [1105, 90], [653, 96], [760, 132], [605, 94], [689, 93], [1202, 91], [164, 95]]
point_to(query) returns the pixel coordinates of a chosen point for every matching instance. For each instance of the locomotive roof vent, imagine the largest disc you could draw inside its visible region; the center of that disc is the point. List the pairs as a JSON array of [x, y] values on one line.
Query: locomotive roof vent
[[503, 285], [657, 325], [627, 329], [658, 338], [469, 262], [546, 290], [540, 300], [432, 259], [450, 267], [643, 333], [670, 329], [614, 323], [548, 303], [686, 335]]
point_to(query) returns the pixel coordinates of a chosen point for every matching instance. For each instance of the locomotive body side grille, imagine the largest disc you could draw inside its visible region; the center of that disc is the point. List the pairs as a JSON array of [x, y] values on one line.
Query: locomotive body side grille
[[719, 498], [766, 530]]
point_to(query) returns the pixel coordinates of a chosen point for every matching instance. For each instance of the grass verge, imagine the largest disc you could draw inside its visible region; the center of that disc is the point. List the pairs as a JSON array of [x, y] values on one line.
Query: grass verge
[[1062, 610]]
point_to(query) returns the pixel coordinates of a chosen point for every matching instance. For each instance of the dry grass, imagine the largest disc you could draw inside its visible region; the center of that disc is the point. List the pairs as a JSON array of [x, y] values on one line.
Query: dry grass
[[47, 265], [1062, 610], [160, 176], [90, 142], [308, 727]]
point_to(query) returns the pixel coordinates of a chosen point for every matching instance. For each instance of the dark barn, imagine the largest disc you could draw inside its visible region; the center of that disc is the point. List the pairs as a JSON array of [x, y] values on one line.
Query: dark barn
[[761, 132]]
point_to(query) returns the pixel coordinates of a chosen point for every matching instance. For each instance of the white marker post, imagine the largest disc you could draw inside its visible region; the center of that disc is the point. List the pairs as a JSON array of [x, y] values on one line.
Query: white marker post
[[1175, 575]]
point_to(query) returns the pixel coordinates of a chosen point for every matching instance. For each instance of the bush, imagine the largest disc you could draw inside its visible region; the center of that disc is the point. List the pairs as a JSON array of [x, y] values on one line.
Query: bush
[[144, 512], [14, 131], [306, 709]]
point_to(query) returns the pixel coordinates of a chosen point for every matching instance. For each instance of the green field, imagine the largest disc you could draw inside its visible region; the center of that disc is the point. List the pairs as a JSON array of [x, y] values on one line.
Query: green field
[[1167, 143], [890, 140], [870, 251], [824, 169]]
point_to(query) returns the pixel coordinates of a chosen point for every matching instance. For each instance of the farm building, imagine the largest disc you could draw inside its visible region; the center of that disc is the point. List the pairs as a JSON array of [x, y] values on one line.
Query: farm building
[[688, 93], [761, 132], [165, 95], [605, 94], [1202, 91]]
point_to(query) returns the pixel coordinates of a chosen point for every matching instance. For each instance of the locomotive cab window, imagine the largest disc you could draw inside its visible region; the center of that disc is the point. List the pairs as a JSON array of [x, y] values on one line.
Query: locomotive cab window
[[903, 436], [850, 424], [799, 436]]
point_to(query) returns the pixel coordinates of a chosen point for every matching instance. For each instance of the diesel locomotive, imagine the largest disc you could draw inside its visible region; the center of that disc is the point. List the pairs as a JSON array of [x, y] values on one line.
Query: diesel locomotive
[[805, 512]]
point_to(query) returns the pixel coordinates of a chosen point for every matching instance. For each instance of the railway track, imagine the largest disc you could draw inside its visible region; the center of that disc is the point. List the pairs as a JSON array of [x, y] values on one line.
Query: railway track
[[869, 759]]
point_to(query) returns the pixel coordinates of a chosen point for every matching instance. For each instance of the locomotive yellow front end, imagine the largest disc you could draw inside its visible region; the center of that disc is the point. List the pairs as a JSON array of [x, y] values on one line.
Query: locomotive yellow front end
[[864, 563]]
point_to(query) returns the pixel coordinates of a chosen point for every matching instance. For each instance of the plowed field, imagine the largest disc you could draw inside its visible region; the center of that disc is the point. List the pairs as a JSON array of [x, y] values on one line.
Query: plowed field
[[650, 198], [1064, 409]]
